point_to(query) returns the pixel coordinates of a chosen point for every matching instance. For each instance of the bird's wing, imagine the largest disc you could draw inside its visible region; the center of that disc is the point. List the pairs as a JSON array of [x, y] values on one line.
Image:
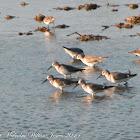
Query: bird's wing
[[77, 50], [91, 59], [60, 81], [96, 87], [118, 76], [72, 69], [68, 82]]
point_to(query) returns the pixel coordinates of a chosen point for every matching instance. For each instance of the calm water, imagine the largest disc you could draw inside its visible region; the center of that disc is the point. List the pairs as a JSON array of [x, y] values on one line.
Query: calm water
[[30, 110]]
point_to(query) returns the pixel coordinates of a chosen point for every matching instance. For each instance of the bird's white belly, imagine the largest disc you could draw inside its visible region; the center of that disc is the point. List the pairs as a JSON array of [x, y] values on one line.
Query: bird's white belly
[[65, 72], [56, 85], [46, 22], [111, 79], [62, 71], [88, 63], [88, 90], [72, 54], [138, 54]]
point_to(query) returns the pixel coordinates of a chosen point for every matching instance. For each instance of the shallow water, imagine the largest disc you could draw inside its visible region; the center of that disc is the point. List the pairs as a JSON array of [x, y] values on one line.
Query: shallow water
[[31, 110]]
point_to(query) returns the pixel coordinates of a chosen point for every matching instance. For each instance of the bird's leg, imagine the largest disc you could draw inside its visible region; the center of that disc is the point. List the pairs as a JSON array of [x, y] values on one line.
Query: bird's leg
[[65, 76], [54, 27], [68, 76], [73, 60], [61, 89], [119, 84], [126, 83], [53, 24], [92, 95]]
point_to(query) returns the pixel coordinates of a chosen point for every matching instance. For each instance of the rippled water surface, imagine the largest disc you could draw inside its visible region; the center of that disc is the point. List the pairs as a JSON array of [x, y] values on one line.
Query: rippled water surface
[[31, 110]]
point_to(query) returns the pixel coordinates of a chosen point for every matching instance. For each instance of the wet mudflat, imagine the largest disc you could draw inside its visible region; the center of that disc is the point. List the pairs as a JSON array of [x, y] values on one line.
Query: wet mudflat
[[41, 111]]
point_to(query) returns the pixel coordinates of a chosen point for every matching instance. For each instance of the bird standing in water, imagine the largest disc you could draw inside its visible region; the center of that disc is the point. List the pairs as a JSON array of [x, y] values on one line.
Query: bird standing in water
[[73, 52], [90, 60], [65, 69], [117, 77], [59, 82], [49, 20], [90, 87]]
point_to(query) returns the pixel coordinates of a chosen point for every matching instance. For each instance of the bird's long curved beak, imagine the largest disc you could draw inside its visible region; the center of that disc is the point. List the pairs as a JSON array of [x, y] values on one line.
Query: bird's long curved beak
[[44, 81], [75, 86], [49, 68], [99, 76]]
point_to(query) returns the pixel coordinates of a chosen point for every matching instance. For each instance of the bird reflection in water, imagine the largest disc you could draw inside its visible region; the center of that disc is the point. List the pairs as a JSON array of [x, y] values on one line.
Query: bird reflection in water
[[59, 95], [90, 99], [124, 91], [121, 89], [109, 94], [49, 35], [56, 96], [90, 70], [98, 97], [137, 62], [74, 62]]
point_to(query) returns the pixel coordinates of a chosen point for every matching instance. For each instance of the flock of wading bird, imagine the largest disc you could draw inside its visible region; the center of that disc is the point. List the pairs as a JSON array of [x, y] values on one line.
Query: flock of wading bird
[[90, 61]]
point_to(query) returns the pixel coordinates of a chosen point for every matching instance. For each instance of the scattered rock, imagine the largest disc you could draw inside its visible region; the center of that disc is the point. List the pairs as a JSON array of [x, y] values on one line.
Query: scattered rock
[[62, 26], [133, 6], [23, 4], [128, 26], [89, 6], [39, 17], [138, 34], [42, 29], [133, 19], [9, 17], [67, 8], [20, 33], [85, 6], [112, 5], [80, 7], [89, 37], [114, 10], [26, 33], [122, 25]]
